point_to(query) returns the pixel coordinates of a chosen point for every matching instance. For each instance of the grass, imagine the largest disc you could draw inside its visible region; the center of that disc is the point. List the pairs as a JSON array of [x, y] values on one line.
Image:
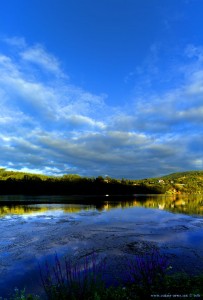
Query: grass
[[145, 276]]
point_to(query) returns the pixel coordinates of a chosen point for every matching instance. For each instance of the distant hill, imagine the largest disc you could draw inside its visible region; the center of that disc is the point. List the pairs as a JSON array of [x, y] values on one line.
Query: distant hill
[[183, 175], [13, 182], [180, 182]]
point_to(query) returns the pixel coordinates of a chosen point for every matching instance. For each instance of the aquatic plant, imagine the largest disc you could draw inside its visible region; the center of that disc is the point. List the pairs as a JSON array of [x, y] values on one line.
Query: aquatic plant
[[145, 276], [147, 268], [78, 280], [85, 279], [147, 271]]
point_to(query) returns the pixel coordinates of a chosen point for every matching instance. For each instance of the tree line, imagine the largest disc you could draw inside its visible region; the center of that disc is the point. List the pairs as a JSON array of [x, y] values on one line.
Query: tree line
[[13, 182]]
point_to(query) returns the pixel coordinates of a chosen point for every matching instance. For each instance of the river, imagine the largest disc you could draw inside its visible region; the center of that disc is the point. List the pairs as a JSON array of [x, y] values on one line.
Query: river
[[33, 229]]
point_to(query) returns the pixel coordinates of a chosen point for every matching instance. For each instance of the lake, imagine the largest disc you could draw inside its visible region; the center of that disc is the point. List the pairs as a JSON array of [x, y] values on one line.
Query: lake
[[33, 229]]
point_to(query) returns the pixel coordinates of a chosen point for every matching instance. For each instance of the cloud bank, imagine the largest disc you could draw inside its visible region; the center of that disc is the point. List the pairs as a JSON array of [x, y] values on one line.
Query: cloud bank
[[52, 126]]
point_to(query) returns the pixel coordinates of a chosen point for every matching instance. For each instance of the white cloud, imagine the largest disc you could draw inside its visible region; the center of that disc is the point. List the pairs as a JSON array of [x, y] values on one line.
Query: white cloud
[[16, 41], [198, 163], [39, 56], [194, 115], [8, 68], [37, 98], [79, 120], [193, 51], [53, 126]]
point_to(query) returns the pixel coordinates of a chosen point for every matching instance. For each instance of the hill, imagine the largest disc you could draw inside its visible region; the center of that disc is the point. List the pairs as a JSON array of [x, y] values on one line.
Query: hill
[[183, 175], [181, 182], [13, 182]]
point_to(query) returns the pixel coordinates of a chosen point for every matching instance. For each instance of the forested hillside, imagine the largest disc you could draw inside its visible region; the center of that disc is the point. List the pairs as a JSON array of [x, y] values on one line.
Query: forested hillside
[[13, 182], [181, 182]]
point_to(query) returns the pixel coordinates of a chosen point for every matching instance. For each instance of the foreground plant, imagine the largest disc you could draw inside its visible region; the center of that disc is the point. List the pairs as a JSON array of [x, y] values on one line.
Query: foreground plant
[[148, 276], [21, 295], [74, 281], [145, 276], [187, 284], [147, 272]]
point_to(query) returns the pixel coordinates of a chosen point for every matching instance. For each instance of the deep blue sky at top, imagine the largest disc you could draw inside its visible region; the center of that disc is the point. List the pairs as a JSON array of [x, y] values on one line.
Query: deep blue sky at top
[[101, 87], [101, 42]]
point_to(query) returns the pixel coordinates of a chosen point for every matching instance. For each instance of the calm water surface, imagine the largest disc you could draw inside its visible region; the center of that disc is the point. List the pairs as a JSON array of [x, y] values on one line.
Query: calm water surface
[[114, 227]]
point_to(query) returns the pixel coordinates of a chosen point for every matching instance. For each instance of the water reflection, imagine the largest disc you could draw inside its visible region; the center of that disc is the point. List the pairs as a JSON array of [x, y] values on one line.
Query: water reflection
[[41, 209], [187, 204]]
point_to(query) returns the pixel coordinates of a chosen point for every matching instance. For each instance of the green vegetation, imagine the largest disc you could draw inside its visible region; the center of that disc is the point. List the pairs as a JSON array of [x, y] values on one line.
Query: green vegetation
[[145, 276], [22, 295], [179, 285], [182, 182], [72, 184]]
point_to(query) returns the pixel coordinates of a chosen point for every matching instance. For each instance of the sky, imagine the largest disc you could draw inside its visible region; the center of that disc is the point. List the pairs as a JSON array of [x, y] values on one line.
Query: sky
[[106, 87]]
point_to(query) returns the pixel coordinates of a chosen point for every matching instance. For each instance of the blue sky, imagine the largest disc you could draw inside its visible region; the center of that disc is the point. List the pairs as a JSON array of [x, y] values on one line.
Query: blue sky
[[106, 87]]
